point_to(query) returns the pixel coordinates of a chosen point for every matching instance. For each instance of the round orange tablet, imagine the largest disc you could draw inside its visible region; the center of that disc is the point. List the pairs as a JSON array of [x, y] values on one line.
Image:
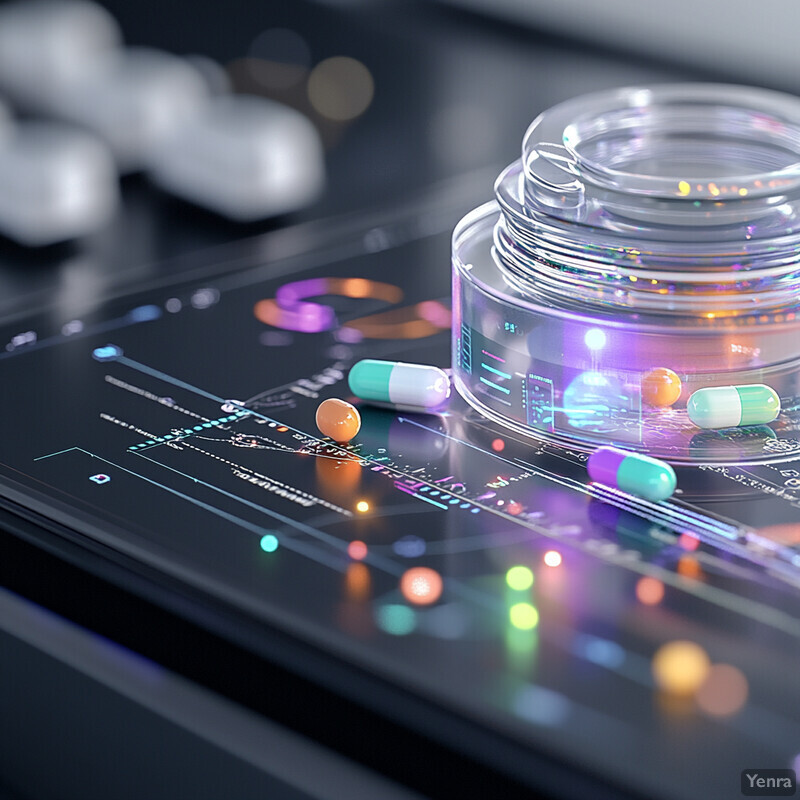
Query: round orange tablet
[[661, 387], [338, 420]]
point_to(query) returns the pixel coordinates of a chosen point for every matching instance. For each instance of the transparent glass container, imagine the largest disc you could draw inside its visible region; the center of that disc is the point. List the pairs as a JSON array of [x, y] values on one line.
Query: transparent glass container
[[643, 229]]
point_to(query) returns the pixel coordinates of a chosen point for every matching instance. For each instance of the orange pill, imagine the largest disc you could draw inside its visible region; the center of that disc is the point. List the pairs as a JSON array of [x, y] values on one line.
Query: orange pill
[[661, 387], [338, 420]]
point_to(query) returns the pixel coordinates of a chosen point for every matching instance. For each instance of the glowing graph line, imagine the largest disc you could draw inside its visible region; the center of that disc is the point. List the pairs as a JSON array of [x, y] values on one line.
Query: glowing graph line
[[421, 497], [242, 523], [720, 597], [332, 541]]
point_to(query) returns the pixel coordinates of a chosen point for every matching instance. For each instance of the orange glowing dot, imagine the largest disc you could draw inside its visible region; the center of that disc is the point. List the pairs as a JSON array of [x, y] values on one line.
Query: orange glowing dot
[[714, 189], [723, 692], [357, 581], [552, 558], [689, 567], [649, 591], [688, 542], [357, 550], [661, 387], [421, 585], [338, 420], [514, 508], [362, 506], [680, 667], [498, 445], [281, 429]]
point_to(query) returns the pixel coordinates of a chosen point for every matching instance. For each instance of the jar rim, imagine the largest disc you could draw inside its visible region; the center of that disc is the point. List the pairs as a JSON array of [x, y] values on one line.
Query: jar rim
[[625, 140]]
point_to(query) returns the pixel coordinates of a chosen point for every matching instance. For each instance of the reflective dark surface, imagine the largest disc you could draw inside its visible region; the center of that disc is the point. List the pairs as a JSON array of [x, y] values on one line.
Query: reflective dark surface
[[394, 552], [566, 678]]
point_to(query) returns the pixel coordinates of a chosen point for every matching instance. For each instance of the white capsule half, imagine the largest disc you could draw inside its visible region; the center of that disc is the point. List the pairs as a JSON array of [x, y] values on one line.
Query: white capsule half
[[416, 387]]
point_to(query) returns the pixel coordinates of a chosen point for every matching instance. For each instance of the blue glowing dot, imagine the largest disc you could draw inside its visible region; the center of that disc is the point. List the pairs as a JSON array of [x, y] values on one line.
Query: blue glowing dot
[[464, 505], [435, 494], [595, 339], [144, 313], [476, 511], [109, 352], [409, 546], [599, 651], [269, 543]]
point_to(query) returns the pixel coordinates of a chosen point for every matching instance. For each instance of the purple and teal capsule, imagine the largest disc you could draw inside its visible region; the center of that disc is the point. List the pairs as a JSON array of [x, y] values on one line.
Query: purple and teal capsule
[[731, 406], [633, 473]]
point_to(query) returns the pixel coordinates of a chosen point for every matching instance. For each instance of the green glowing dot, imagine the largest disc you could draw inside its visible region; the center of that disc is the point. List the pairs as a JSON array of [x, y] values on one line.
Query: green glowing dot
[[396, 619], [523, 616], [519, 578], [269, 543]]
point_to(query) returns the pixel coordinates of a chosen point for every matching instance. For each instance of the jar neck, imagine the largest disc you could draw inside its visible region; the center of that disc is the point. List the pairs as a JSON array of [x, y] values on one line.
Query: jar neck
[[578, 222]]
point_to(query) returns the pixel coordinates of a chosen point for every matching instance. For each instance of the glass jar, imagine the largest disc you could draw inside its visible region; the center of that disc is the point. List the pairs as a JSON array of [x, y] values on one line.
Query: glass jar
[[644, 233]]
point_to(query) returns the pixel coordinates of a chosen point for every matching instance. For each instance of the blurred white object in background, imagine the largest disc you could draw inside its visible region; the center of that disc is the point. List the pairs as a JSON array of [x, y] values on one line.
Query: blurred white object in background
[[5, 123], [47, 45], [133, 101], [747, 42], [243, 157], [56, 183]]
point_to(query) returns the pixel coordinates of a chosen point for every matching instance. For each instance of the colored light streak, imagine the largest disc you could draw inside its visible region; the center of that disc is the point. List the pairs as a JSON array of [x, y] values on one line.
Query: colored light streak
[[290, 310], [421, 585], [410, 322], [680, 667], [724, 691], [357, 550], [362, 506], [552, 558], [269, 543], [495, 385], [357, 581], [519, 578], [649, 591], [523, 616]]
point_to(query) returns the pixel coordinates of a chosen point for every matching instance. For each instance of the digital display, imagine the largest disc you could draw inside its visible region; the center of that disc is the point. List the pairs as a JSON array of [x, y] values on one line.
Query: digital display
[[642, 641]]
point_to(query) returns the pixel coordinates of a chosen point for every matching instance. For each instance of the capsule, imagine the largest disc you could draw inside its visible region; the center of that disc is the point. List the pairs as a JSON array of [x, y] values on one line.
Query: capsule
[[338, 420], [661, 387], [412, 387], [731, 406], [632, 472]]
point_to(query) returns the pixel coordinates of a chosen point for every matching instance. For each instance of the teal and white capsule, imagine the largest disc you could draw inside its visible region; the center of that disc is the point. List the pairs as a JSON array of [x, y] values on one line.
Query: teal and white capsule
[[409, 387], [632, 472], [731, 406]]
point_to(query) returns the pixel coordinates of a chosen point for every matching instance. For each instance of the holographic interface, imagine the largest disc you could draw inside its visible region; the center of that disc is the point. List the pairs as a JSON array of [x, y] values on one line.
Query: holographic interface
[[442, 551]]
